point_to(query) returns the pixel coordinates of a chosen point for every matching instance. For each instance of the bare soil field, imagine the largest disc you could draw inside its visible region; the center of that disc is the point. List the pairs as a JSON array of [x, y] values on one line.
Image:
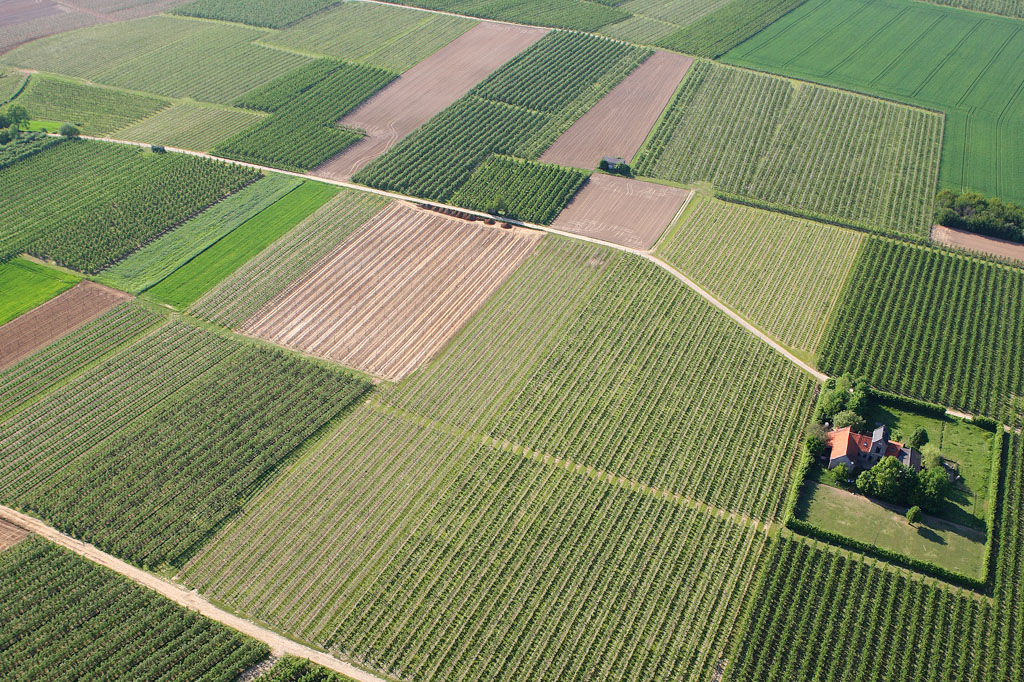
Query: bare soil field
[[978, 242], [388, 298], [621, 121], [10, 535], [59, 316], [425, 90], [622, 211], [16, 11]]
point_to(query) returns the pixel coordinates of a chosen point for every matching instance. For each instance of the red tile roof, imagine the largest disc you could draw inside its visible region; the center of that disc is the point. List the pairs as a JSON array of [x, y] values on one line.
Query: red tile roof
[[846, 443]]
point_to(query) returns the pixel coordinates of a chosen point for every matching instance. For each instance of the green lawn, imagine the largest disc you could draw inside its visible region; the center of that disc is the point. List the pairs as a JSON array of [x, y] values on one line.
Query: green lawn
[[961, 442], [26, 284], [935, 540], [204, 271], [968, 64]]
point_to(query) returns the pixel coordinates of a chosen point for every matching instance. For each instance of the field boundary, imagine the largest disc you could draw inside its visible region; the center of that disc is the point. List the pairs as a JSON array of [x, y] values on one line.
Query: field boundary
[[190, 599]]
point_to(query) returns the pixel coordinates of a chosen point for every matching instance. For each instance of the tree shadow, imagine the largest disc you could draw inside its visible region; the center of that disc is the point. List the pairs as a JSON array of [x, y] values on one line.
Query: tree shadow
[[930, 535]]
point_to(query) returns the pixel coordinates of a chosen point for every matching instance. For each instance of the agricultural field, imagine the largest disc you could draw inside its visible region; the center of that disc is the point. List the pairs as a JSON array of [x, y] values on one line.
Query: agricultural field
[[947, 327], [783, 274], [63, 617], [25, 20], [618, 125], [425, 90], [94, 110], [11, 82], [1009, 8], [85, 204], [156, 261], [622, 211], [393, 293], [257, 13], [150, 489], [25, 145], [965, 64], [867, 162], [190, 125], [39, 327], [384, 36], [301, 133], [1009, 588], [27, 284], [525, 190], [72, 354], [893, 626], [706, 28], [519, 110], [163, 55], [10, 535], [441, 555], [581, 15], [201, 273], [291, 669]]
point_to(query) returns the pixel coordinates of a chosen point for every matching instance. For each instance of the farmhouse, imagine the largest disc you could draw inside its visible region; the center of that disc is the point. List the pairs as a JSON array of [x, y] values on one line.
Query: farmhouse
[[856, 450]]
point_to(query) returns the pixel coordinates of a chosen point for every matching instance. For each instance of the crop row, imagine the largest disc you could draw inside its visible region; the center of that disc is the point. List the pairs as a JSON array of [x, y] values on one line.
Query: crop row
[[306, 104], [549, 85], [575, 14], [479, 564], [1009, 583], [821, 615], [24, 146], [95, 110], [782, 273], [87, 204], [263, 277], [718, 32], [269, 13], [190, 125], [526, 190], [933, 325], [812, 149], [71, 354], [64, 618], [151, 491], [291, 669]]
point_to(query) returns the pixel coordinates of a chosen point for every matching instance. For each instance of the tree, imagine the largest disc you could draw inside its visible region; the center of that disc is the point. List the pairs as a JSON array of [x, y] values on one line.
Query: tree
[[852, 419], [918, 438], [17, 115], [68, 130], [933, 458], [816, 439], [933, 485], [842, 474], [888, 480], [913, 515]]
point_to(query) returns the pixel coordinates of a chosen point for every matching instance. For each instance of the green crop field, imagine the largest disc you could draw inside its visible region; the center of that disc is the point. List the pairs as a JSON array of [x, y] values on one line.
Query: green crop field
[[946, 327], [95, 110], [519, 110], [817, 150], [385, 36], [87, 204], [24, 146], [299, 248], [706, 28], [891, 627], [268, 13], [232, 251], [63, 617], [170, 56], [68, 357], [302, 133], [190, 125], [1010, 8], [26, 284], [581, 15], [966, 64], [11, 82], [526, 190], [149, 474], [466, 550], [783, 274], [151, 264]]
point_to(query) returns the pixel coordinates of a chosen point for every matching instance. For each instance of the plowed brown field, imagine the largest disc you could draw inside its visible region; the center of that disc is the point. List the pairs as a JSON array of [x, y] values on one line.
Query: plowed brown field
[[37, 328], [425, 90], [621, 121], [978, 242], [621, 210], [389, 297], [10, 535]]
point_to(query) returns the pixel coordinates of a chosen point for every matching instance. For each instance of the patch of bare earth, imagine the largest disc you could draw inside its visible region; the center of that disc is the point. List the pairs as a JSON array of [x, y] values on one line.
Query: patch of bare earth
[[622, 211], [391, 295], [618, 125], [425, 90], [59, 316], [978, 242], [10, 535]]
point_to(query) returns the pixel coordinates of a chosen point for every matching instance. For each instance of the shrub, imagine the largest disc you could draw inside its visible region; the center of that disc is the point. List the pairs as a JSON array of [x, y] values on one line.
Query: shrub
[[68, 130]]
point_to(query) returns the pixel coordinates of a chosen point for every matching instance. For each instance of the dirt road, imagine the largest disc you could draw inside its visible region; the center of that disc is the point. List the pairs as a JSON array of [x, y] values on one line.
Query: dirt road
[[278, 645]]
